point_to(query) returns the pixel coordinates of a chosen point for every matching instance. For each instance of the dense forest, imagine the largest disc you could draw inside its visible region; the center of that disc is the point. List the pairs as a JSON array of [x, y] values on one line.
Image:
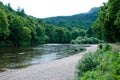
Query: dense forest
[[19, 29], [82, 20]]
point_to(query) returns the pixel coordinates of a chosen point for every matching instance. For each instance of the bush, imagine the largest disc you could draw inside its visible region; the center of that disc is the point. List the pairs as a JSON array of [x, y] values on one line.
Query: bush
[[73, 42], [100, 46], [103, 64], [89, 75], [88, 63], [107, 47], [85, 40]]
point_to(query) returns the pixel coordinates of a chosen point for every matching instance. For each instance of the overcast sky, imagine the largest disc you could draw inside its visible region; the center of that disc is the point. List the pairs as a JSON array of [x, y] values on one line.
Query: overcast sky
[[48, 8]]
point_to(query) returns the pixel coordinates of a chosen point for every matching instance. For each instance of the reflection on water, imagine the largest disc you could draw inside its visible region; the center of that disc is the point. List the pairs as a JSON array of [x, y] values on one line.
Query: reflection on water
[[25, 56]]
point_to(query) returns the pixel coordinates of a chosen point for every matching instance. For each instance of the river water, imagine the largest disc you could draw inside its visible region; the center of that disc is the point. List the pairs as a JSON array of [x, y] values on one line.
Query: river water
[[21, 57]]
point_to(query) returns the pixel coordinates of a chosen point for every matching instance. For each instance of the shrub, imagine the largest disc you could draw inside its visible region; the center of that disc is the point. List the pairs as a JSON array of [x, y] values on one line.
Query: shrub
[[100, 46], [107, 47], [73, 42], [85, 40], [87, 63], [89, 75], [103, 64]]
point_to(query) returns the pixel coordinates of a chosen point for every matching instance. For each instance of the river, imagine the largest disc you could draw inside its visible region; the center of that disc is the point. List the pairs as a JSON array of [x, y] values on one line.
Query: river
[[20, 57]]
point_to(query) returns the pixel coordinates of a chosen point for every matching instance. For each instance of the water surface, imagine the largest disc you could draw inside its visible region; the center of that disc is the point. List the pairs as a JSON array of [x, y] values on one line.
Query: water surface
[[24, 56]]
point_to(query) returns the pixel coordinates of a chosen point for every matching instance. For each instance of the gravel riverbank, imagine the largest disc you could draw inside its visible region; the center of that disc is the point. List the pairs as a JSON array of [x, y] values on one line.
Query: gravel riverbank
[[62, 69]]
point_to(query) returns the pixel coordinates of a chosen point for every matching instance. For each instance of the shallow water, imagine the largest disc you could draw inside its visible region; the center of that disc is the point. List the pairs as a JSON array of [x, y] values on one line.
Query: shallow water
[[24, 56]]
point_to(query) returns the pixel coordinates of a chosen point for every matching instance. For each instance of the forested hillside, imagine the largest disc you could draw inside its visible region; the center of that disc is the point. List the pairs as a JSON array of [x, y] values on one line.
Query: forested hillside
[[19, 29], [83, 20]]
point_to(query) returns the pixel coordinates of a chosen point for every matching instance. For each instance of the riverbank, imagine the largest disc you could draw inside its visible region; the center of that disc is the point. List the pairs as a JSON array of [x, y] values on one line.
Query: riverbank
[[62, 69]]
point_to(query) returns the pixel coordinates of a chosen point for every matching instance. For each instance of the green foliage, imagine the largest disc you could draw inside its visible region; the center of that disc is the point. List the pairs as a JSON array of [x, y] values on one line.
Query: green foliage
[[26, 33], [107, 24], [100, 46], [19, 29], [89, 32], [20, 12], [82, 32], [89, 75], [75, 34], [9, 6], [60, 34], [99, 65], [4, 30], [97, 30], [107, 47], [85, 40], [16, 28], [83, 20], [87, 63]]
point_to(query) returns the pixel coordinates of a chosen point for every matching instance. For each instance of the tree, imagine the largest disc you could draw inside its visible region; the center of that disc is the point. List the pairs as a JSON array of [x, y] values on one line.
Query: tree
[[112, 30], [61, 35], [96, 30], [82, 32], [40, 34], [4, 30], [108, 20], [117, 21], [89, 32], [9, 6], [51, 33], [75, 33], [68, 36], [20, 11], [16, 28], [27, 34]]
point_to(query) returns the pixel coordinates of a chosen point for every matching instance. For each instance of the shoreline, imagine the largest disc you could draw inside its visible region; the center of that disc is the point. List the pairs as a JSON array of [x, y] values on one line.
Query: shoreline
[[61, 69]]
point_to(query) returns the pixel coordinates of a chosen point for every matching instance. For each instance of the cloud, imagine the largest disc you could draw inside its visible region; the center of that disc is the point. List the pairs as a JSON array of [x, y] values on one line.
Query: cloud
[[47, 8]]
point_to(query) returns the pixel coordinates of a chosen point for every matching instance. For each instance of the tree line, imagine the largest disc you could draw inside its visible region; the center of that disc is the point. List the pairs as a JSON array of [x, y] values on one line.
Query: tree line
[[19, 29], [82, 20]]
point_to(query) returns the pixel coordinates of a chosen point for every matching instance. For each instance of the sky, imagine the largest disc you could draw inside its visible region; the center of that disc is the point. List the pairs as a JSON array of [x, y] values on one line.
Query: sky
[[50, 8]]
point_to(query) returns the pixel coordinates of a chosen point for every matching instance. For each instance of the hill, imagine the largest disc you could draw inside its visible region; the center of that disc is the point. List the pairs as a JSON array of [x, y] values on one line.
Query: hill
[[82, 20], [19, 29]]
